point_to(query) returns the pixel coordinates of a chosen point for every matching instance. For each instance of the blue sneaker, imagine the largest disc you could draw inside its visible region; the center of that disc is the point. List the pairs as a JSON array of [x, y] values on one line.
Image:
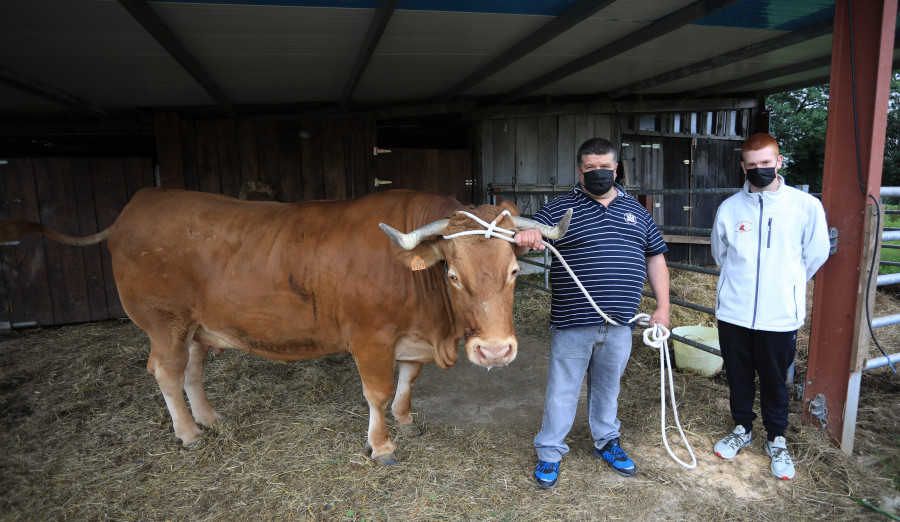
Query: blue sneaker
[[615, 456], [546, 474]]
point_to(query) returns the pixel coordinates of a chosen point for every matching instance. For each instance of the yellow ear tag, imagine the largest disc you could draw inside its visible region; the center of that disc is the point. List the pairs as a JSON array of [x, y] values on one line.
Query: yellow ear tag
[[417, 264]]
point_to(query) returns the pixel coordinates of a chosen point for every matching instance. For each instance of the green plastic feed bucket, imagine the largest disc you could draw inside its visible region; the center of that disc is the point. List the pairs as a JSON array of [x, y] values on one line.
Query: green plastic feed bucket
[[695, 359]]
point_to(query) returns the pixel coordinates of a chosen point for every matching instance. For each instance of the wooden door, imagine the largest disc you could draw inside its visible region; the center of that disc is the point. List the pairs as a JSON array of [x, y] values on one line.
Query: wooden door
[[717, 164], [677, 208], [445, 171]]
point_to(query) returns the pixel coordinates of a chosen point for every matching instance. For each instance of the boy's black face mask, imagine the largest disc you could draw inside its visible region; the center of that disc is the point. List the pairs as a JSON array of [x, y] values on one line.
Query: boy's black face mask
[[598, 182], [761, 176]]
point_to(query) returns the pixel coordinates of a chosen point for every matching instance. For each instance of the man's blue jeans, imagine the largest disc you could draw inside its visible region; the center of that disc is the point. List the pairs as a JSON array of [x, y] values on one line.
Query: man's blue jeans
[[600, 351]]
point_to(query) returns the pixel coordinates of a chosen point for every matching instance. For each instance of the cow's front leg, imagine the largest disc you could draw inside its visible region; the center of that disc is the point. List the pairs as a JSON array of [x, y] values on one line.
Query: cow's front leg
[[406, 376], [377, 374]]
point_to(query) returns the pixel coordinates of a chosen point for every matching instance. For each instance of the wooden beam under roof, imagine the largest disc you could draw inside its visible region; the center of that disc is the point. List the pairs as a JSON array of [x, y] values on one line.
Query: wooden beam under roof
[[152, 23], [46, 92], [690, 13], [773, 44], [382, 16], [562, 23]]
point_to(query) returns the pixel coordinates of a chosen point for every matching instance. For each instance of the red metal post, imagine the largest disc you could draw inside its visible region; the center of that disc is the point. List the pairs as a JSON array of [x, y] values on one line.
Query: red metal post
[[831, 370]]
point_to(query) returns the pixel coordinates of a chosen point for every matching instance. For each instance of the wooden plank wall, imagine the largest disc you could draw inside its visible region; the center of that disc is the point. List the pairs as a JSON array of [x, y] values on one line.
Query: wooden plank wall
[[43, 282], [301, 160], [536, 150]]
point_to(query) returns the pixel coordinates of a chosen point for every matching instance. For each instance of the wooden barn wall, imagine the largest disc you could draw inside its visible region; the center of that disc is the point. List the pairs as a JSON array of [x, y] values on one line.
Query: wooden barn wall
[[520, 153], [526, 151], [300, 159], [43, 282]]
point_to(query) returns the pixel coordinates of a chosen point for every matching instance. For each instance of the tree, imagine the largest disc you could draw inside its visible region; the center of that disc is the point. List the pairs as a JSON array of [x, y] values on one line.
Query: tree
[[798, 120], [890, 174]]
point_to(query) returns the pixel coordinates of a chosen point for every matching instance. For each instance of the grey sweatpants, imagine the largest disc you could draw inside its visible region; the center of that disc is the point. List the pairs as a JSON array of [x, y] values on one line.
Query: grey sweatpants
[[602, 352]]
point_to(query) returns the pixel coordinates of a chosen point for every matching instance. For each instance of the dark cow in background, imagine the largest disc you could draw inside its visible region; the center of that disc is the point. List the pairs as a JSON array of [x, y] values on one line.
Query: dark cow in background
[[301, 280]]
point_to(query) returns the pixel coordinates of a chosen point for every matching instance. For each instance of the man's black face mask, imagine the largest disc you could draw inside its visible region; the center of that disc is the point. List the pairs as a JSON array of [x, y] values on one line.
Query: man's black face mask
[[598, 182], [761, 176]]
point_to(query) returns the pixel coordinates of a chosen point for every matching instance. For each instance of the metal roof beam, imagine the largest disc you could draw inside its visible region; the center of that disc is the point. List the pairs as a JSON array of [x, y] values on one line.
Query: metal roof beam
[[821, 80], [562, 23], [152, 23], [815, 63], [665, 25], [787, 70], [382, 16], [40, 90], [756, 49]]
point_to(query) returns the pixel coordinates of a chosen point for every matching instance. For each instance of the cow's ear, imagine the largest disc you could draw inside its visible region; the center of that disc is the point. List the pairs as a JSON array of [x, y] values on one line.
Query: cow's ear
[[423, 256], [510, 206]]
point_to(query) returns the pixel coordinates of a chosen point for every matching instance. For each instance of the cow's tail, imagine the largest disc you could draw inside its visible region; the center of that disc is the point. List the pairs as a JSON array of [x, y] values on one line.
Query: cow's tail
[[16, 229]]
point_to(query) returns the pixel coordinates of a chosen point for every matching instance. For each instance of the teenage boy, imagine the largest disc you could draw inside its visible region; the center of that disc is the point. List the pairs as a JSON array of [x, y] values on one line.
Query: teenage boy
[[769, 239]]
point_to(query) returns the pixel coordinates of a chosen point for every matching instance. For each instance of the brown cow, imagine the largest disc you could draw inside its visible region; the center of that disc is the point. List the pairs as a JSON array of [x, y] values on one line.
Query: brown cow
[[297, 281]]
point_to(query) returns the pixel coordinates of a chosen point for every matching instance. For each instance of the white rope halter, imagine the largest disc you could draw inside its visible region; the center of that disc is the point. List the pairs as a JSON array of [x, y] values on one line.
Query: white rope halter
[[491, 228], [654, 336]]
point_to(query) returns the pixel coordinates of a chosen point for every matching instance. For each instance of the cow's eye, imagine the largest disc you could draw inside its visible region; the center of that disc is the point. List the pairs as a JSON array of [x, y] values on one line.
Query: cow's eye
[[515, 272], [453, 279]]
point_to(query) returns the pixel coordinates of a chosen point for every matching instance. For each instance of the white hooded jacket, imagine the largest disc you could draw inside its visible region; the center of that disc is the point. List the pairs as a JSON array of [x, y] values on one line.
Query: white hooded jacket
[[768, 245]]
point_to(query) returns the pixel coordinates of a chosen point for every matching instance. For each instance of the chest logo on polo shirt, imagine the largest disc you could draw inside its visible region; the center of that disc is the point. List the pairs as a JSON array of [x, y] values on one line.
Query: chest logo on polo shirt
[[630, 218], [743, 226]]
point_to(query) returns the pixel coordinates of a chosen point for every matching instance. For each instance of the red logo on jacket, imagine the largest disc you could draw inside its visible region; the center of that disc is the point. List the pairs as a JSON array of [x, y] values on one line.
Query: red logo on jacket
[[743, 226]]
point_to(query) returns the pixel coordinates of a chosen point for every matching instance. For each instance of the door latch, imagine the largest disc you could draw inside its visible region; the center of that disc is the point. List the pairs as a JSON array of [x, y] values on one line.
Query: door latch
[[379, 182]]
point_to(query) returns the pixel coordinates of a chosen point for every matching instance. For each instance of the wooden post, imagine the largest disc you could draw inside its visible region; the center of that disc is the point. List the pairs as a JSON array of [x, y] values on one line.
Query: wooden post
[[832, 372]]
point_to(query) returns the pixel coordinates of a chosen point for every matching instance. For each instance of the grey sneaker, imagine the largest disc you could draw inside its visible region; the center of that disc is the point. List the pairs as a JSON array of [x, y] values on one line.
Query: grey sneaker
[[734, 442], [782, 465]]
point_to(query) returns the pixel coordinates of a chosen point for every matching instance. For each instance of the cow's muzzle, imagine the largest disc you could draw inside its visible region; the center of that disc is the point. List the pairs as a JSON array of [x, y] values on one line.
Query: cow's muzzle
[[491, 352]]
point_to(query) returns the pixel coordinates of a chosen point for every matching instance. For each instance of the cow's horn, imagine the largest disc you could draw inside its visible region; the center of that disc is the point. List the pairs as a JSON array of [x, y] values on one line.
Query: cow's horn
[[549, 232], [411, 240]]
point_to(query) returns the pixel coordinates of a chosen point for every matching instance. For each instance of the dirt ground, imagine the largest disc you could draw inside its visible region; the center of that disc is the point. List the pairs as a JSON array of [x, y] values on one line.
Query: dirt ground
[[87, 436]]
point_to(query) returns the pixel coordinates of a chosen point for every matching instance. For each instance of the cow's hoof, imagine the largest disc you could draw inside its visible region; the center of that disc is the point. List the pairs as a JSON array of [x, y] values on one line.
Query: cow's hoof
[[210, 420], [412, 429], [192, 438], [388, 459]]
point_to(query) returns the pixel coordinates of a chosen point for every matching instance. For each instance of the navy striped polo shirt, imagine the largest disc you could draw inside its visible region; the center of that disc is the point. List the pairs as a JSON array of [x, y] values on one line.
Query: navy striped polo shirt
[[607, 248]]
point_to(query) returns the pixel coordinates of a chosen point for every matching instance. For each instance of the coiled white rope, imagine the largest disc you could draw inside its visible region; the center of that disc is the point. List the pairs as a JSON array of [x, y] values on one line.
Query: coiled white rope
[[655, 336]]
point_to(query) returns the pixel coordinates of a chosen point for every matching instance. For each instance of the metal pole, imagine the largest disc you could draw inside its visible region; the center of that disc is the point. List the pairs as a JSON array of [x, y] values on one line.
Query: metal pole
[[887, 320], [878, 362], [888, 279]]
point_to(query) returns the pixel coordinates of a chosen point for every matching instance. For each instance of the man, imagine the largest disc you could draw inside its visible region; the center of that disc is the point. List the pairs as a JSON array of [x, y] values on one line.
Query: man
[[612, 244], [769, 239]]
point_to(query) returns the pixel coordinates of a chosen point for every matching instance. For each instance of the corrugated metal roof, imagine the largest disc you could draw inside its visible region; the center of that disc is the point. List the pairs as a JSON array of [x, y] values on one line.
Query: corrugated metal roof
[[131, 57]]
